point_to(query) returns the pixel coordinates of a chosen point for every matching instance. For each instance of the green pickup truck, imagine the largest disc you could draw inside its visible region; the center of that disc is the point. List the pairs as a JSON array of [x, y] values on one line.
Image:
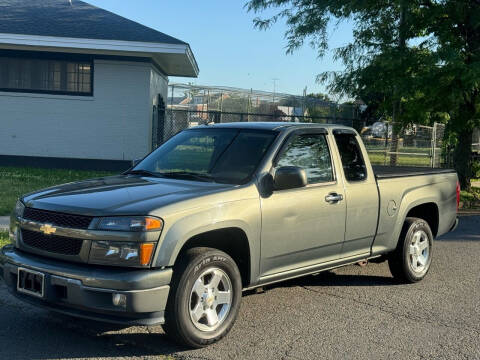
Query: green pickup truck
[[217, 210]]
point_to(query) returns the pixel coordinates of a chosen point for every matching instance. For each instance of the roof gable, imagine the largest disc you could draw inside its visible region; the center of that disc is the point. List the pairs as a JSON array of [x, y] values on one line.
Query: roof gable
[[60, 18]]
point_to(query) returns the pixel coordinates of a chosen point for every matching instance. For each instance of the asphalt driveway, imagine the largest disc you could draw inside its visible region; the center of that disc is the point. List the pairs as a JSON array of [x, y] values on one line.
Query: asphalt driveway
[[349, 313]]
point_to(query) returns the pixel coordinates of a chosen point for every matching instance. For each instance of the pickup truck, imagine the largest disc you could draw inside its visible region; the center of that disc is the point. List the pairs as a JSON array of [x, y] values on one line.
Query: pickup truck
[[217, 210]]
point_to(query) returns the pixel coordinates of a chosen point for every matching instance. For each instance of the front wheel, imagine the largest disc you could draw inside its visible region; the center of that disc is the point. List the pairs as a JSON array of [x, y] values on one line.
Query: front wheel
[[411, 260], [205, 297]]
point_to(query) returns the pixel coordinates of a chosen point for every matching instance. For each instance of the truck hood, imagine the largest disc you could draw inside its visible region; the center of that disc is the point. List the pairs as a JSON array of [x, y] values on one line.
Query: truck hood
[[119, 195]]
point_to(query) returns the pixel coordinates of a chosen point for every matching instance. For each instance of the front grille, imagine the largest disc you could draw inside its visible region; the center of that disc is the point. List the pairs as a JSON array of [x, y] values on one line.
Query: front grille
[[57, 219], [52, 243]]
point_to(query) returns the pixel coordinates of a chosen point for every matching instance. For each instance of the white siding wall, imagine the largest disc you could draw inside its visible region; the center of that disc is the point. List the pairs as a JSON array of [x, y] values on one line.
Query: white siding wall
[[114, 124], [158, 85]]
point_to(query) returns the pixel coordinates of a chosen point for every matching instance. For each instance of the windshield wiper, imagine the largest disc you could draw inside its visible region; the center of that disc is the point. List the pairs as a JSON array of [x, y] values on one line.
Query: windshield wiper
[[188, 175], [142, 172]]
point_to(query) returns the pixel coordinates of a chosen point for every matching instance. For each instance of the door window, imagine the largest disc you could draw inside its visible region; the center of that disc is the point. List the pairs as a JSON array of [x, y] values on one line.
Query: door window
[[351, 155], [309, 152]]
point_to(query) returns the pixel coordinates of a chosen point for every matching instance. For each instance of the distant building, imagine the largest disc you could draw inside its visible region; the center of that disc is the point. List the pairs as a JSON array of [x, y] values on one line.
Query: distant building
[[78, 84]]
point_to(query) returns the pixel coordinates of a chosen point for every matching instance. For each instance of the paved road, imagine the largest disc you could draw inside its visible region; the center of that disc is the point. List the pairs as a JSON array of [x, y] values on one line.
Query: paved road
[[350, 313]]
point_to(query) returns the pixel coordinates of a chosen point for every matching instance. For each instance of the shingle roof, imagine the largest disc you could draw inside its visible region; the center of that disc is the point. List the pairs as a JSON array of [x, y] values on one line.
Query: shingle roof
[[76, 20]]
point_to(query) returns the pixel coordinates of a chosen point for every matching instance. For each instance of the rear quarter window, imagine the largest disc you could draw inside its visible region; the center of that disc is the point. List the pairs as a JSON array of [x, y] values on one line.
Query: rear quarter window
[[351, 155]]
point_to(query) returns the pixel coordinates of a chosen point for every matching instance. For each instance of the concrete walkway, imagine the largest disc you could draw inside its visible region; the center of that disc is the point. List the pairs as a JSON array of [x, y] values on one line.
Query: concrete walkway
[[4, 222]]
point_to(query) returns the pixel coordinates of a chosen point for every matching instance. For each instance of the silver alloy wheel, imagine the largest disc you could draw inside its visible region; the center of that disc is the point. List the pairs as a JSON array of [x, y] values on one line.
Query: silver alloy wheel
[[419, 251], [210, 299]]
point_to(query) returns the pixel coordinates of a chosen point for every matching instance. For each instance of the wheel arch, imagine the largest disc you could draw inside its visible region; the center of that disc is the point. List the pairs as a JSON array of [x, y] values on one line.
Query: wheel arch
[[231, 240], [427, 211], [425, 208]]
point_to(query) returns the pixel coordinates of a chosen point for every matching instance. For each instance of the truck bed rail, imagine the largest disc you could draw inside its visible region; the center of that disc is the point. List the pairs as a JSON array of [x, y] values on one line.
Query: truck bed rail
[[387, 172]]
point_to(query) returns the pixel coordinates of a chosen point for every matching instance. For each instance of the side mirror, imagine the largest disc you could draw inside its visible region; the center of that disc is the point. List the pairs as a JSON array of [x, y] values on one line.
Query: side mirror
[[135, 162], [290, 177], [266, 186]]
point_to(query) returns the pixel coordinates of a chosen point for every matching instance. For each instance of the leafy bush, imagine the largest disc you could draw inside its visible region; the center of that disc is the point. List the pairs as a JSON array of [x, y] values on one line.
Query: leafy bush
[[476, 169], [3, 238]]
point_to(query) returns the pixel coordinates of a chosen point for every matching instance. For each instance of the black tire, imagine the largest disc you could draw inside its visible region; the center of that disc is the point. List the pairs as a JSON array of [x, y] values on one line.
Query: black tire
[[400, 261], [179, 325]]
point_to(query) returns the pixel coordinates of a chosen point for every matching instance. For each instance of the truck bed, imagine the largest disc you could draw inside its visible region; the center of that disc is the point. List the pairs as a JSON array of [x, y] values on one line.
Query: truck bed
[[386, 172]]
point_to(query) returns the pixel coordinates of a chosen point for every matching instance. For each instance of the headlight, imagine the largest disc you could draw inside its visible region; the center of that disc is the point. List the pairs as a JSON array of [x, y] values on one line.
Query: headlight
[[118, 253], [136, 223], [19, 208]]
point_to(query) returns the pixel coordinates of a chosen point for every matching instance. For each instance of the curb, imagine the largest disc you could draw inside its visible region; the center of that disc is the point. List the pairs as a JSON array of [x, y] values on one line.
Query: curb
[[468, 212]]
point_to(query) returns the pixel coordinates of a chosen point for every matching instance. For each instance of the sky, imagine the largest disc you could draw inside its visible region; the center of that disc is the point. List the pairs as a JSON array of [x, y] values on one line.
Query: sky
[[227, 47]]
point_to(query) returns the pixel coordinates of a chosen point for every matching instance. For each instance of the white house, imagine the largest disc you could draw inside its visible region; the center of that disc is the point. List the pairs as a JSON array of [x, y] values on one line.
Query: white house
[[79, 85]]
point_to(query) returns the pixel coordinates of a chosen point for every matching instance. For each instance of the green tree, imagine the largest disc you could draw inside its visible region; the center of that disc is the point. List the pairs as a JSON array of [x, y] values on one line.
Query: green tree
[[235, 103], [318, 107], [379, 59], [419, 58], [456, 27]]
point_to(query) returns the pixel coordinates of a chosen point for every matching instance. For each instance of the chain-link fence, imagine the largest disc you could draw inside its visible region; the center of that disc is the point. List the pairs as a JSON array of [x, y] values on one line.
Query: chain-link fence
[[177, 120], [191, 105], [414, 145]]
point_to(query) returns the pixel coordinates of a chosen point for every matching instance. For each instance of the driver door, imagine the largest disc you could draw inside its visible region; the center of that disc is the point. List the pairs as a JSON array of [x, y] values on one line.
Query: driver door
[[300, 227]]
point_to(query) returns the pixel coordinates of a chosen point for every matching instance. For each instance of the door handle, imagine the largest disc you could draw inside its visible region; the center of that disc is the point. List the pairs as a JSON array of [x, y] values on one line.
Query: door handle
[[333, 198]]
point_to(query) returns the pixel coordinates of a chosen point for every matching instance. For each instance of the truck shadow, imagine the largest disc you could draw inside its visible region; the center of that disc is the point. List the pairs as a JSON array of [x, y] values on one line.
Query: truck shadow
[[152, 341], [112, 341], [90, 339], [330, 278], [116, 340]]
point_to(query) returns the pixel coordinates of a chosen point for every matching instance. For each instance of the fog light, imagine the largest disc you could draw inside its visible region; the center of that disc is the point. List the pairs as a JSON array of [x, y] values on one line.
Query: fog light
[[119, 300]]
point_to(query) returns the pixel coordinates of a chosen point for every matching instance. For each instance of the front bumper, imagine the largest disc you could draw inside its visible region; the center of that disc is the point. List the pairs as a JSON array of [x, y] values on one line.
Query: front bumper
[[86, 291]]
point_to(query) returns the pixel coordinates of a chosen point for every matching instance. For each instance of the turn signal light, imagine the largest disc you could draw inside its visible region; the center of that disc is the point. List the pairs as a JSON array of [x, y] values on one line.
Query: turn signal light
[[153, 224], [146, 251]]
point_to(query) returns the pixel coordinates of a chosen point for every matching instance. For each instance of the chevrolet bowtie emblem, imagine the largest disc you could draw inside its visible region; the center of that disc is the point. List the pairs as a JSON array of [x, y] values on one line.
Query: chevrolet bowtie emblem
[[48, 229]]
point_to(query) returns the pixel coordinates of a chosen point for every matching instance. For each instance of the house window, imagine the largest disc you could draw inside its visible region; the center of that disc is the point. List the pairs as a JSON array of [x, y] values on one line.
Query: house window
[[69, 77]]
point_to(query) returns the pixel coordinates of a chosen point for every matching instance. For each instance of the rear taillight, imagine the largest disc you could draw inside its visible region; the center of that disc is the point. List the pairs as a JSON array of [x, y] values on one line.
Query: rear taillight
[[458, 194]]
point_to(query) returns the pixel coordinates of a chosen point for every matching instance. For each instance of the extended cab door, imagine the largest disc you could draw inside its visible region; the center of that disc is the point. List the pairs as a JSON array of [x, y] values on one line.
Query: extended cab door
[[361, 193], [303, 226]]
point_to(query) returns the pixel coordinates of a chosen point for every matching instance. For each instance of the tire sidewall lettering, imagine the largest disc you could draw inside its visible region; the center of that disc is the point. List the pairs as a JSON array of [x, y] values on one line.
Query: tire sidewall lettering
[[207, 261]]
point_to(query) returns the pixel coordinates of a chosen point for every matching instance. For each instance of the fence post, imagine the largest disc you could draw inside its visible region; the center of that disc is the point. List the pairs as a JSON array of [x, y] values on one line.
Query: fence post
[[386, 144], [433, 144], [221, 106]]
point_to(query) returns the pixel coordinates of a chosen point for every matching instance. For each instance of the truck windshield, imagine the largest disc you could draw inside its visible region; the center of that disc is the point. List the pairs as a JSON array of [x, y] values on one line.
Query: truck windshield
[[208, 154]]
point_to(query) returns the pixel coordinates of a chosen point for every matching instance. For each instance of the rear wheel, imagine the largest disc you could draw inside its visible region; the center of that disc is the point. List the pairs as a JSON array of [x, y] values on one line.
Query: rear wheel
[[205, 297], [411, 260]]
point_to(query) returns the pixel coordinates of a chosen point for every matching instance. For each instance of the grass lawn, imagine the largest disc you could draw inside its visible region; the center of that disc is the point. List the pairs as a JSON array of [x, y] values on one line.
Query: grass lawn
[[3, 238], [15, 182], [402, 160]]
